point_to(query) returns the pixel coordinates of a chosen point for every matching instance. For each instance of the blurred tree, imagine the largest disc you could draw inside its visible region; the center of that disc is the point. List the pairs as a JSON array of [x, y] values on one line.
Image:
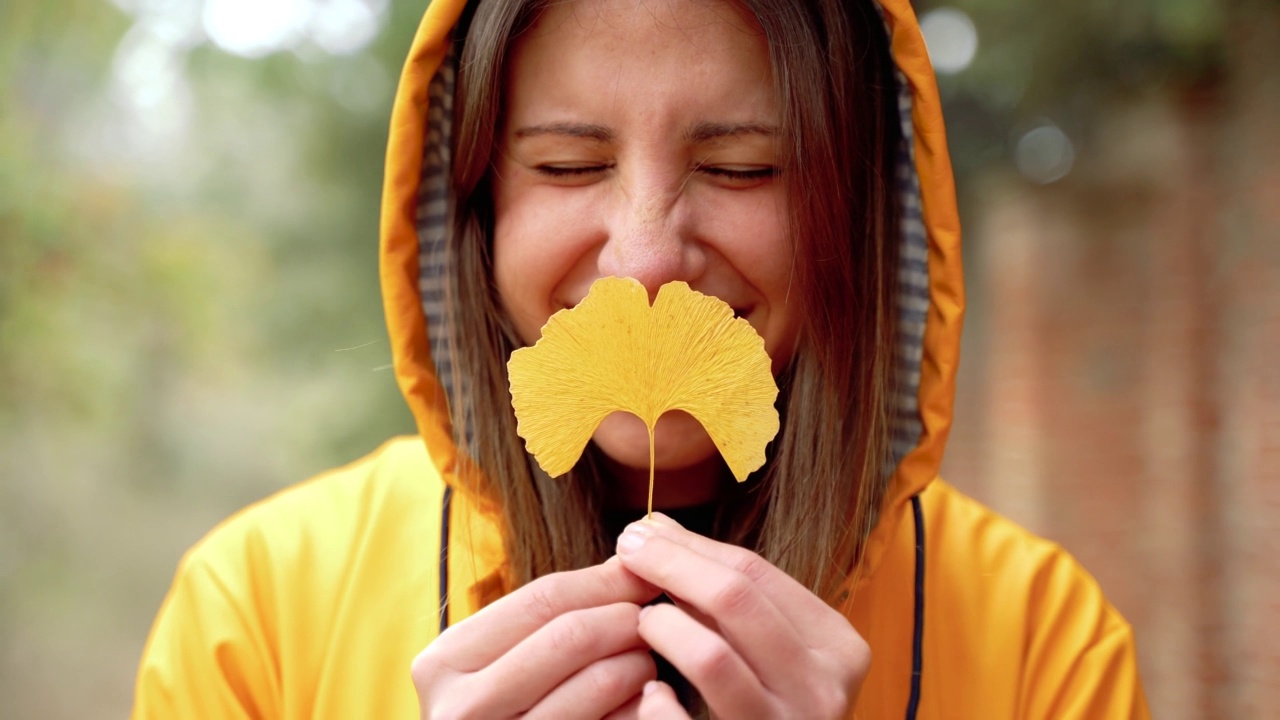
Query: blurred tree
[[189, 310], [1069, 62], [1115, 165]]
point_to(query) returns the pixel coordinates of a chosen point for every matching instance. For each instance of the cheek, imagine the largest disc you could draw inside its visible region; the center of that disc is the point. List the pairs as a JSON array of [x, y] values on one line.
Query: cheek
[[534, 250], [749, 231], [518, 283], [751, 235]]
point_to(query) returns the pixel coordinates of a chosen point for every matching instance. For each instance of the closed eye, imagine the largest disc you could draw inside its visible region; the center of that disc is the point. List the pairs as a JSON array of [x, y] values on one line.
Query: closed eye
[[569, 171], [740, 174]]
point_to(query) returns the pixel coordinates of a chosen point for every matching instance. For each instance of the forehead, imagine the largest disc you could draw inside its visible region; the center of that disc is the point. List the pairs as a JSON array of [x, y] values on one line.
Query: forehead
[[633, 47], [688, 16]]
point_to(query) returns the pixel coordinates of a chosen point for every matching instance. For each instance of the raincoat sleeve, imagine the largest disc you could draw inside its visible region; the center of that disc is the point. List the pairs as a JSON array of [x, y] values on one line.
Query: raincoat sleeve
[[208, 654], [1082, 660]]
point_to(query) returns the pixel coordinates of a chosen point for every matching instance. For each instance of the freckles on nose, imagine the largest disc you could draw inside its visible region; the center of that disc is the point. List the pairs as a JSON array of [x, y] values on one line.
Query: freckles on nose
[[652, 245]]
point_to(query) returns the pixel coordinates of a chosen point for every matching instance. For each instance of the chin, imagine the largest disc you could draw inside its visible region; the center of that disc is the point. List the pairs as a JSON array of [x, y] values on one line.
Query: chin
[[680, 442]]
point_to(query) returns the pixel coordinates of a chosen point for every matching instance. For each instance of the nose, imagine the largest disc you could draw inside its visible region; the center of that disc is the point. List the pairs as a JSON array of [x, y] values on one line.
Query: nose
[[651, 238]]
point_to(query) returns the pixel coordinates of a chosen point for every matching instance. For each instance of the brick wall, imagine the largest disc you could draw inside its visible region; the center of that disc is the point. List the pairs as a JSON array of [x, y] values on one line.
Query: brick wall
[[1120, 390]]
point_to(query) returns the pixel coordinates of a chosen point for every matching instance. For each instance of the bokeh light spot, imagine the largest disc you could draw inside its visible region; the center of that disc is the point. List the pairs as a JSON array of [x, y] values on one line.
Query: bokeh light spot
[[254, 28], [344, 27], [1044, 154], [951, 38]]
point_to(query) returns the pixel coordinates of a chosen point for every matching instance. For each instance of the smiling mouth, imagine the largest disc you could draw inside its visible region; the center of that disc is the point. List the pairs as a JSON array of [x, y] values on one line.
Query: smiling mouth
[[738, 312]]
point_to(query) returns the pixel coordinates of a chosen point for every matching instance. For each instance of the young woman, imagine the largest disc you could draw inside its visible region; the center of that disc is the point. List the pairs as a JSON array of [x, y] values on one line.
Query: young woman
[[775, 154]]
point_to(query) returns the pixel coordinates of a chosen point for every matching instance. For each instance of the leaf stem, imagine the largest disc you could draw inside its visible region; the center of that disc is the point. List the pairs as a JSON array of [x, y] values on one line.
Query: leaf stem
[[650, 428]]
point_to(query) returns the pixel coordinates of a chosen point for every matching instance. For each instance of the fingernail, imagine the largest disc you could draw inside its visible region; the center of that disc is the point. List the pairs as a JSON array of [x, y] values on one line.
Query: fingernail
[[661, 519], [633, 538], [644, 610], [649, 687]]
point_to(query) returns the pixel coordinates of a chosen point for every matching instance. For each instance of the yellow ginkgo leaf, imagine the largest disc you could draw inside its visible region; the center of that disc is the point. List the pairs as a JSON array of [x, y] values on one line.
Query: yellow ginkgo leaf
[[613, 352]]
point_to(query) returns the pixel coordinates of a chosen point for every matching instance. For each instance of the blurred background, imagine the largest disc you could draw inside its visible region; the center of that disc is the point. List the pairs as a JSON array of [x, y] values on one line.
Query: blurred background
[[189, 311]]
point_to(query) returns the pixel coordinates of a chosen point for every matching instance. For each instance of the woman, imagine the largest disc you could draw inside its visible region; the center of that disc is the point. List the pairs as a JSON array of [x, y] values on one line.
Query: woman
[[770, 153]]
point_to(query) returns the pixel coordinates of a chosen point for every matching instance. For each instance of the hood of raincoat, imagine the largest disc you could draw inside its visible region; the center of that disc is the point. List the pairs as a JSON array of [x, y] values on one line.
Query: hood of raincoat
[[415, 220]]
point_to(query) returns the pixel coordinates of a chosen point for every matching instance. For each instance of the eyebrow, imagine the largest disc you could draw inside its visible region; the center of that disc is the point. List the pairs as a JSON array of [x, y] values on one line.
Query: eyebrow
[[708, 131], [700, 133], [599, 133]]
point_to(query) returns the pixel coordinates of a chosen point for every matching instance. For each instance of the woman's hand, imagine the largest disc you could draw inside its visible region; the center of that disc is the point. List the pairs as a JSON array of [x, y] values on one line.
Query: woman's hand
[[564, 646], [751, 639]]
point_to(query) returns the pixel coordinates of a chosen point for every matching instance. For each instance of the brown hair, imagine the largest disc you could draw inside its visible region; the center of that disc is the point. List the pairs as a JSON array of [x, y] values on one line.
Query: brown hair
[[810, 507]]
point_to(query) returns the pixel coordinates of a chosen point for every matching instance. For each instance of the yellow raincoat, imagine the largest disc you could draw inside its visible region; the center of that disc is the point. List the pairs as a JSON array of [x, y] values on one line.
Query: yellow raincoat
[[312, 603]]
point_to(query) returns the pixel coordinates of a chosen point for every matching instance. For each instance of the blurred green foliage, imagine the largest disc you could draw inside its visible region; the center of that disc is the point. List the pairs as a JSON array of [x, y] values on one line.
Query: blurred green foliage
[[1072, 61], [189, 316]]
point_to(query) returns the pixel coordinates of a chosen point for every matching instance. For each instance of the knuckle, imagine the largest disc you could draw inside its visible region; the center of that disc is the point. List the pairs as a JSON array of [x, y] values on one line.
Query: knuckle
[[424, 667], [736, 595], [754, 567], [713, 663], [570, 635], [629, 618], [539, 600], [846, 671], [850, 655], [613, 576], [607, 681], [859, 656], [829, 702]]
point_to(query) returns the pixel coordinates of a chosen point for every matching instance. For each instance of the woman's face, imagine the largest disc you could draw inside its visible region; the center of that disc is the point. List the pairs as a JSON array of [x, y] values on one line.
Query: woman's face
[[639, 141]]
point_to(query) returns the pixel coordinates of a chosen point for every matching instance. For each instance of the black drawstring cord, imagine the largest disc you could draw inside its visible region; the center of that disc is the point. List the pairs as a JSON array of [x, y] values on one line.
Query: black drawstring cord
[[917, 641], [444, 558]]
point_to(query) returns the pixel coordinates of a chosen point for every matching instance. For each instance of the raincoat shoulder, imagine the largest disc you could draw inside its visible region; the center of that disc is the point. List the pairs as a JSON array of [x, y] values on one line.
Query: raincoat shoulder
[[311, 603], [1009, 625]]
